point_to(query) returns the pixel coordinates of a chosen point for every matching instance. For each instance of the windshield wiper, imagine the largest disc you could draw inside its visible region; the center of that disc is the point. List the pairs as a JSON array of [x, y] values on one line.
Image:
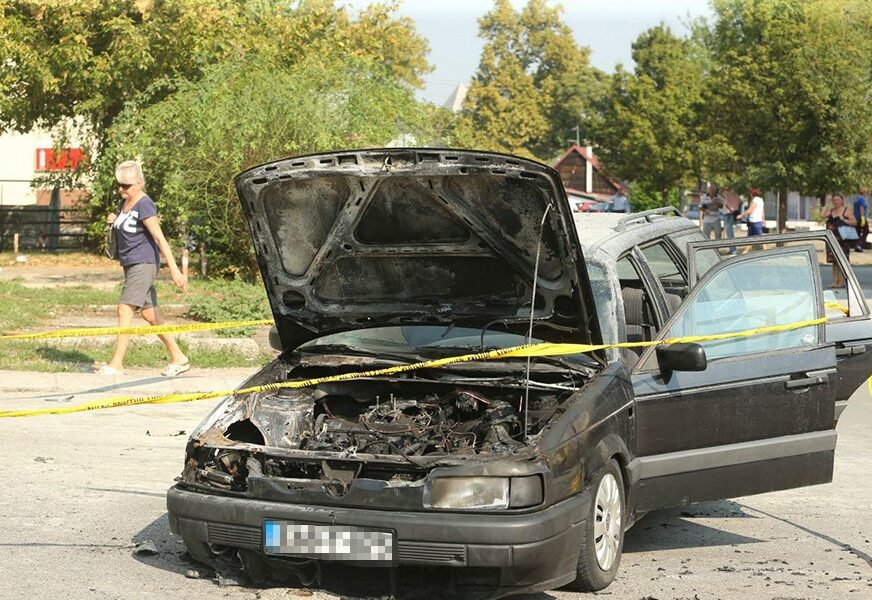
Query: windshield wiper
[[357, 351]]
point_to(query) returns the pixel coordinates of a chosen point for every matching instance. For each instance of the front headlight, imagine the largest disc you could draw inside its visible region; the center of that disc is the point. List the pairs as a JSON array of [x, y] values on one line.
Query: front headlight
[[483, 493], [467, 493]]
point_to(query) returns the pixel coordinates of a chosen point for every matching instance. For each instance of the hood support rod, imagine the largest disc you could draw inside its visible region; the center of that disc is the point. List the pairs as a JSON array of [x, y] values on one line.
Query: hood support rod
[[532, 313]]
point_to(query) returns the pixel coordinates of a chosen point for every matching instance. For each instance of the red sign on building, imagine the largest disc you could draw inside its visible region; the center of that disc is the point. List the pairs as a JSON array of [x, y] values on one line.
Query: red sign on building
[[65, 160]]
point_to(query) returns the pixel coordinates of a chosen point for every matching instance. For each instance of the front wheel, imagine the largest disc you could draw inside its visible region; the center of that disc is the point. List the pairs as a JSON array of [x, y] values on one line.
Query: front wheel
[[602, 539]]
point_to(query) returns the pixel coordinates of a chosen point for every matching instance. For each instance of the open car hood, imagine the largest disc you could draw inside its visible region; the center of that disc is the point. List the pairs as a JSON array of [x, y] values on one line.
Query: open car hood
[[360, 239]]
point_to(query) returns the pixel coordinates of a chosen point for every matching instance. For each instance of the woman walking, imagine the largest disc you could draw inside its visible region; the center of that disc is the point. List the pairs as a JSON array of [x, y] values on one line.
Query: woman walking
[[756, 218], [844, 226], [140, 243]]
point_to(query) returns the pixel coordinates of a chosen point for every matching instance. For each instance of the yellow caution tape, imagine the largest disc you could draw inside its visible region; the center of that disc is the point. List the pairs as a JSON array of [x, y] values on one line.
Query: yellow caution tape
[[837, 306], [143, 330], [541, 349]]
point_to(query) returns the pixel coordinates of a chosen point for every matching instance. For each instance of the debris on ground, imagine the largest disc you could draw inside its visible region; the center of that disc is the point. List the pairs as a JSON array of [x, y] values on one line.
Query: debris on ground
[[44, 459], [228, 580], [173, 433], [199, 573], [146, 548]]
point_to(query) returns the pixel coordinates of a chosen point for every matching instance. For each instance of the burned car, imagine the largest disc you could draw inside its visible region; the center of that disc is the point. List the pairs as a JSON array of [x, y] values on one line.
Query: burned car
[[501, 474]]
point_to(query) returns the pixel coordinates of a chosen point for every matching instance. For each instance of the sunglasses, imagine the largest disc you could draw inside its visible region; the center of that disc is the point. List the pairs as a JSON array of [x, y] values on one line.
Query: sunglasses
[[125, 186]]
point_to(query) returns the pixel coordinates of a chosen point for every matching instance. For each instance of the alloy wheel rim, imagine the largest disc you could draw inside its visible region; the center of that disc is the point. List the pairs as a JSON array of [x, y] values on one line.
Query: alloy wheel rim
[[607, 522]]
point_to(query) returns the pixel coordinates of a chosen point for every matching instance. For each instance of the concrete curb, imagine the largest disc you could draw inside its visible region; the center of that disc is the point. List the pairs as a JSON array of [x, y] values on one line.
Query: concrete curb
[[136, 382]]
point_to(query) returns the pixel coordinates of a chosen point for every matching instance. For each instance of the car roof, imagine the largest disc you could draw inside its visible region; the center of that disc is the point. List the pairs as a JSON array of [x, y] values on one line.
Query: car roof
[[604, 235]]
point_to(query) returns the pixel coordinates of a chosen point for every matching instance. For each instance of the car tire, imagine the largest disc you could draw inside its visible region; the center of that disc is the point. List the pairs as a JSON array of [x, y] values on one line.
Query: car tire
[[602, 537]]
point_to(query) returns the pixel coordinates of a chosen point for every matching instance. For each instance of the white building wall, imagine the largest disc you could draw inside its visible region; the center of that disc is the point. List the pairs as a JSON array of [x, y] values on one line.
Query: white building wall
[[18, 165]]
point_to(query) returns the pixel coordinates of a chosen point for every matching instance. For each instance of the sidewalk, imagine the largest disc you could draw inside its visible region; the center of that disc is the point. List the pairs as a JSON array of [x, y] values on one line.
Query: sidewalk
[[35, 389]]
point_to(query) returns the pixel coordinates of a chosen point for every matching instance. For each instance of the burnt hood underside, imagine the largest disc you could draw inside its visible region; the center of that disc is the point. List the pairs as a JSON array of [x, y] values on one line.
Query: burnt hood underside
[[366, 238]]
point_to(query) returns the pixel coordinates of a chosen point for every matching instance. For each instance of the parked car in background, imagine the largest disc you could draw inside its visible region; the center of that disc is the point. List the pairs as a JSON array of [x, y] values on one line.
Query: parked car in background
[[692, 211], [488, 476]]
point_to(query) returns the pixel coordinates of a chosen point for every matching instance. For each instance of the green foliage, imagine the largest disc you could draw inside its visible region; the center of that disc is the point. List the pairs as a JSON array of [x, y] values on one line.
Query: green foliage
[[231, 301], [240, 114], [795, 77], [532, 85], [78, 64], [647, 125], [643, 197]]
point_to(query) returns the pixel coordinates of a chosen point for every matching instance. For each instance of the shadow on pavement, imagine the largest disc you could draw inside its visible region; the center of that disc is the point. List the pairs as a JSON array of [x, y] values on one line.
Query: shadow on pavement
[[67, 397], [844, 546], [669, 529]]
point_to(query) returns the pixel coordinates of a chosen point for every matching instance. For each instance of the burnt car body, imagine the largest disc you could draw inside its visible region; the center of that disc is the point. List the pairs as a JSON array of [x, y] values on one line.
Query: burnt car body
[[503, 475]]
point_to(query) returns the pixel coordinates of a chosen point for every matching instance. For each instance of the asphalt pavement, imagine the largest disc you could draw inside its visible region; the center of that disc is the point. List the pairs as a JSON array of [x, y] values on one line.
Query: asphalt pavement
[[84, 494]]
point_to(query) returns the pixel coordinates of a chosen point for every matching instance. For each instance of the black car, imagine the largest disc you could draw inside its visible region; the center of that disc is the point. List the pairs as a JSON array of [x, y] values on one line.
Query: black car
[[505, 475]]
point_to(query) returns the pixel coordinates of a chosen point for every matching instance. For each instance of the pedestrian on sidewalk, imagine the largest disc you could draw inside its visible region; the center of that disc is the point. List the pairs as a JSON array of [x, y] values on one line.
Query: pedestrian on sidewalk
[[710, 213], [861, 213], [140, 243]]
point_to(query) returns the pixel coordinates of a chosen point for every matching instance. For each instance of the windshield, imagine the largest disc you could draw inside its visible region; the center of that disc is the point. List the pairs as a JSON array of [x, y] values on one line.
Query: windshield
[[417, 338]]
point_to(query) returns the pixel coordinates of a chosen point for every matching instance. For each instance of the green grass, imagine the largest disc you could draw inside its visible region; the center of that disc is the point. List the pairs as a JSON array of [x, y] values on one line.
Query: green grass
[[23, 308], [39, 356]]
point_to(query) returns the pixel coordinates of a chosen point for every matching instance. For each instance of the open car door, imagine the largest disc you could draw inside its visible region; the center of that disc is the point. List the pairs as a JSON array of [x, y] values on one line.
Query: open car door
[[849, 324], [758, 416]]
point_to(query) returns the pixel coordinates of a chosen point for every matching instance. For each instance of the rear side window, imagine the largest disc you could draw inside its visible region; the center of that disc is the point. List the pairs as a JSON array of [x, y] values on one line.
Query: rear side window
[[705, 259], [666, 270]]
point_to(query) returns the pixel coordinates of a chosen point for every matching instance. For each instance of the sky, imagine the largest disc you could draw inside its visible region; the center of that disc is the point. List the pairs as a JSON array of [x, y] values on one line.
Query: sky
[[607, 27]]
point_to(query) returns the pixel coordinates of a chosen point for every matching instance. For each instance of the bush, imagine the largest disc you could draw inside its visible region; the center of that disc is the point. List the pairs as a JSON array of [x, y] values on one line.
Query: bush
[[231, 301]]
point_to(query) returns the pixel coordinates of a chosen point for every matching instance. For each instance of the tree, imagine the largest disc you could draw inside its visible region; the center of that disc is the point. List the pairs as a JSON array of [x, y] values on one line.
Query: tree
[[532, 85], [647, 125], [86, 60], [793, 82], [241, 113]]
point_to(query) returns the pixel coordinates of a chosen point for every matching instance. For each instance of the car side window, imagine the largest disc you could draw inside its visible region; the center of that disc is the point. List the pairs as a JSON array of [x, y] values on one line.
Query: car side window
[[668, 272], [762, 291], [640, 317]]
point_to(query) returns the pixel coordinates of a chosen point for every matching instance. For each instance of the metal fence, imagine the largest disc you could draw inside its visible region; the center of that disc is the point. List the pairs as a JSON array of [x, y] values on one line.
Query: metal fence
[[42, 228]]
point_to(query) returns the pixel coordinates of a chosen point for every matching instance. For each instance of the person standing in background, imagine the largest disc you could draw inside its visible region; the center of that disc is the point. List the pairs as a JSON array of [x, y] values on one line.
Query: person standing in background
[[861, 213], [731, 208], [620, 203], [710, 213], [840, 220]]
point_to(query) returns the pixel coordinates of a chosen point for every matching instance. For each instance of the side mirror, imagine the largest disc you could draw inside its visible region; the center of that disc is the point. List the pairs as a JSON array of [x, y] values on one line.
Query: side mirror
[[681, 357], [275, 342]]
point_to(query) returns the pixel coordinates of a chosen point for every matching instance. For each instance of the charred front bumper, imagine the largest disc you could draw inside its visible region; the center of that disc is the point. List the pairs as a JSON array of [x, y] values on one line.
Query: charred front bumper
[[527, 552]]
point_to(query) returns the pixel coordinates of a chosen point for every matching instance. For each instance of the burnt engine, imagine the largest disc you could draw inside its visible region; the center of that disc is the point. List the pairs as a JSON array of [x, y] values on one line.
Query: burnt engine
[[459, 422]]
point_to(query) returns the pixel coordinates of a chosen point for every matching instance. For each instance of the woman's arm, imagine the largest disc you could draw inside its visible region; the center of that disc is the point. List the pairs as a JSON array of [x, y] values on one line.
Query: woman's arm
[[153, 227], [848, 217]]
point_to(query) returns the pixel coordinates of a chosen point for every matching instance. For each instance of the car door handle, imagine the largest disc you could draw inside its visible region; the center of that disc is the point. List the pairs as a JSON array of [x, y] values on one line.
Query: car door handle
[[850, 350], [806, 382]]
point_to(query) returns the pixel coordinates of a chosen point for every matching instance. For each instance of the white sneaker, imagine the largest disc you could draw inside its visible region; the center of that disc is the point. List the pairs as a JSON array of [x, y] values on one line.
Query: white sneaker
[[173, 369], [107, 371]]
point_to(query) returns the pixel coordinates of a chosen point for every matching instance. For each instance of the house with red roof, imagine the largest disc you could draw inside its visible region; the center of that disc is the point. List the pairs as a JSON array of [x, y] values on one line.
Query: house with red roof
[[584, 179]]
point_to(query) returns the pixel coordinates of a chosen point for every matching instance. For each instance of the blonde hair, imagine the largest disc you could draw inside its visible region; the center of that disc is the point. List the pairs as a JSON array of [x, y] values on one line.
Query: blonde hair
[[129, 171]]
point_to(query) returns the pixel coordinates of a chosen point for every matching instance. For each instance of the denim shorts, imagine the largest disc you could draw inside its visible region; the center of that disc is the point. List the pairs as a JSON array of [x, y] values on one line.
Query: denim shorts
[[755, 228], [138, 288]]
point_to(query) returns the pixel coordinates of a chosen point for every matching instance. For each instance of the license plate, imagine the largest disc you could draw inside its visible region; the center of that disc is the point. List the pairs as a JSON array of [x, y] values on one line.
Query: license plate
[[332, 542]]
